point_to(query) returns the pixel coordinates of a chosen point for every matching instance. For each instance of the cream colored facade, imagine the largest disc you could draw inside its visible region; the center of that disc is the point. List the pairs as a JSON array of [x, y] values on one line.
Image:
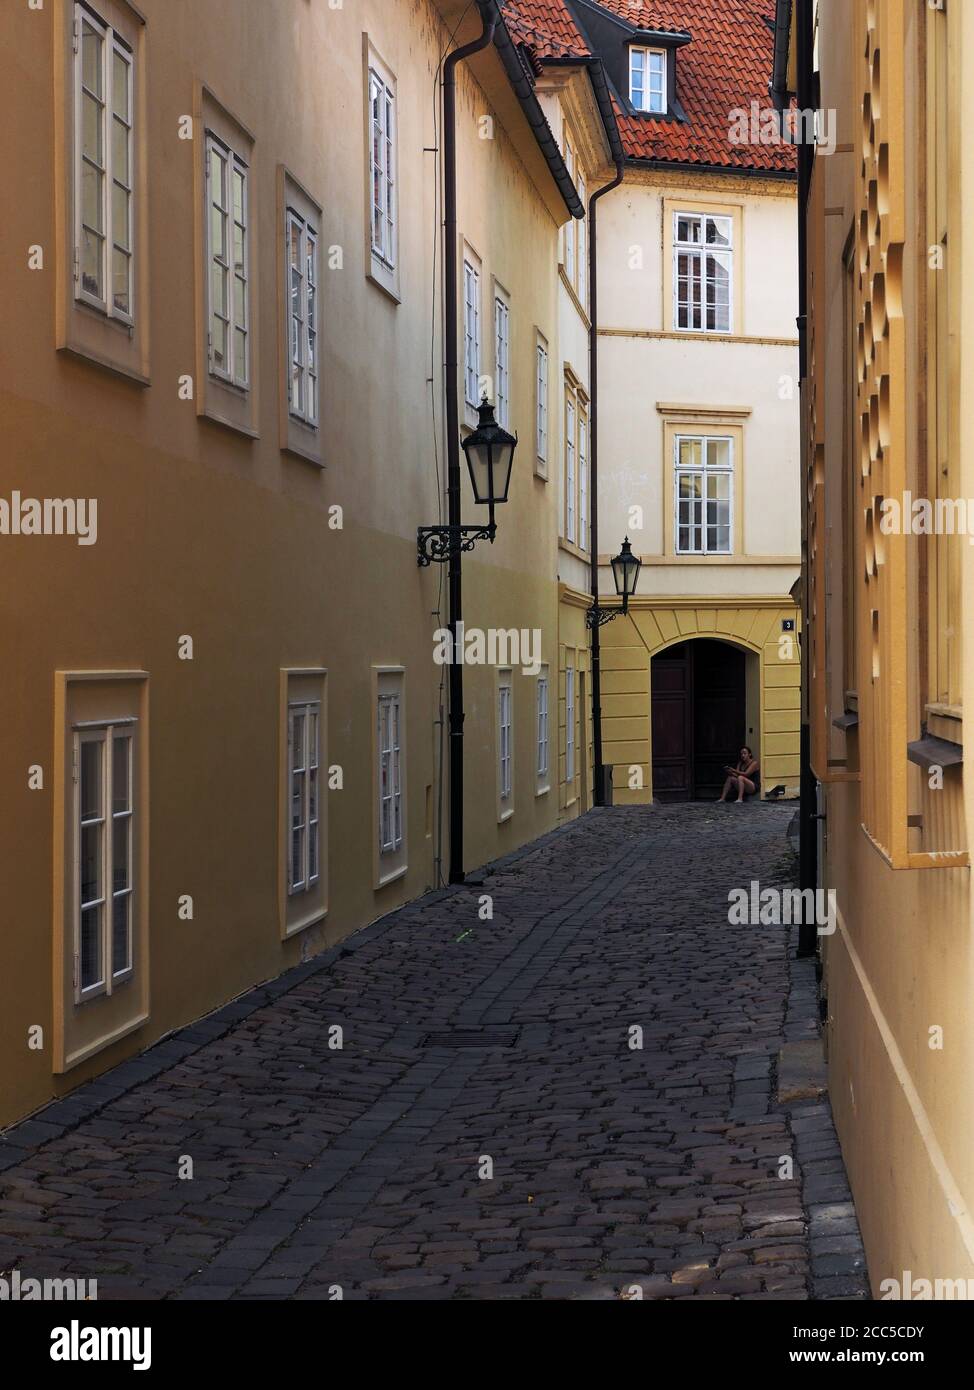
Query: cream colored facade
[[890, 331], [572, 112], [661, 384], [252, 605]]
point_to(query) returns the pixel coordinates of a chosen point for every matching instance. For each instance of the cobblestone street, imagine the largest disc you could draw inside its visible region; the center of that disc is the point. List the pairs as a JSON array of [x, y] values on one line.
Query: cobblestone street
[[486, 1130]]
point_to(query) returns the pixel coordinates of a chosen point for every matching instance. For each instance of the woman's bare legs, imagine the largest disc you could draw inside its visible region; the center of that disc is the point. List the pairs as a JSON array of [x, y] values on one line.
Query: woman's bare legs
[[744, 784], [728, 786]]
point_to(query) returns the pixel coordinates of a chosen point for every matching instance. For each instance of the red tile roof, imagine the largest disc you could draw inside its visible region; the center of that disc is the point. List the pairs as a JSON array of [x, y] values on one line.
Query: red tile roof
[[724, 68], [546, 27]]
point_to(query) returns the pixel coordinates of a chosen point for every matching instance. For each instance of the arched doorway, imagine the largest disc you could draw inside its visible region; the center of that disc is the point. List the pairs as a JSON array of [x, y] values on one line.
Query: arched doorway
[[700, 717]]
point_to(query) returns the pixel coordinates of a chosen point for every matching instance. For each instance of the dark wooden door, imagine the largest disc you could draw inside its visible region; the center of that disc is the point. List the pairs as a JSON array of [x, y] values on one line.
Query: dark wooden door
[[672, 676], [719, 714], [699, 706]]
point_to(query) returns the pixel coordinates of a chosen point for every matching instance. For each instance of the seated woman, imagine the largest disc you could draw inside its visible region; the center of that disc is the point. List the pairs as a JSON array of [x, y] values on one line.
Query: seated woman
[[745, 778]]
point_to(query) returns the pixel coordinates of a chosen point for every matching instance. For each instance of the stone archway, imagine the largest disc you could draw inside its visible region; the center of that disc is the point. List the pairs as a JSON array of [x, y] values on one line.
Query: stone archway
[[772, 677], [699, 695]]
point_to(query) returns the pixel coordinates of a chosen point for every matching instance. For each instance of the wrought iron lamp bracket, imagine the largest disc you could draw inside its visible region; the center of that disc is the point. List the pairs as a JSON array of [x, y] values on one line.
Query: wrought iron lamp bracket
[[438, 544], [598, 617]]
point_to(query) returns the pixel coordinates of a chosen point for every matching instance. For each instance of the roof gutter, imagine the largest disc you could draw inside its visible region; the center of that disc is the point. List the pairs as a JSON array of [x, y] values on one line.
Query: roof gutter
[[778, 86], [686, 167], [524, 91]]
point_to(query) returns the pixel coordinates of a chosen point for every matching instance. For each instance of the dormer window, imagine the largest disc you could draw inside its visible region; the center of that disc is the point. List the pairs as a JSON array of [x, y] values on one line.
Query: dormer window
[[647, 79]]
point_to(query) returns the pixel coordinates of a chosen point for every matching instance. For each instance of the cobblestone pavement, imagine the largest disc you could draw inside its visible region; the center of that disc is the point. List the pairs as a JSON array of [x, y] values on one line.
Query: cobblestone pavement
[[614, 1169]]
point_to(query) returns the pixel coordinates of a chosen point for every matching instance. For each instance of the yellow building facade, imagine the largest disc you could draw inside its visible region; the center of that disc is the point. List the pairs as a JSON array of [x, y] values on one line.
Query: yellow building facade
[[885, 421], [710, 658], [694, 455], [221, 390]]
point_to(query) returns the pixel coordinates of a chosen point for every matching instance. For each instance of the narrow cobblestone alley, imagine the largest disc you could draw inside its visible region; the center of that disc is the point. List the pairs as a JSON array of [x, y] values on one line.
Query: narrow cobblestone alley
[[474, 1046]]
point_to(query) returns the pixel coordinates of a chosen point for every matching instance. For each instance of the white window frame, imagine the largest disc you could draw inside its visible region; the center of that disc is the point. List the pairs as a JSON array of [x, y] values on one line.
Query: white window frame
[[104, 735], [705, 472], [304, 281], [505, 741], [502, 355], [581, 276], [383, 168], [571, 477], [641, 93], [574, 232], [569, 154], [390, 772], [112, 44], [582, 468], [569, 724], [541, 391], [696, 253], [233, 372], [471, 333], [305, 782], [543, 697]]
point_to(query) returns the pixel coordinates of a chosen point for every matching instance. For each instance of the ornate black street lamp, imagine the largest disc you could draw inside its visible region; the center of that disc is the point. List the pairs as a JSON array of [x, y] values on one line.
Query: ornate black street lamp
[[625, 572], [490, 459]]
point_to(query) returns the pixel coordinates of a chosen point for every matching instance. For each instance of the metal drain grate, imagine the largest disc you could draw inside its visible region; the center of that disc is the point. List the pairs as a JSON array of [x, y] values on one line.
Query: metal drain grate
[[488, 1037]]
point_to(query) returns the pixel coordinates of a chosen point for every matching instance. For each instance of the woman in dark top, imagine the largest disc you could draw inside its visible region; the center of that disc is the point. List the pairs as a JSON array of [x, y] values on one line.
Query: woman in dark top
[[745, 777]]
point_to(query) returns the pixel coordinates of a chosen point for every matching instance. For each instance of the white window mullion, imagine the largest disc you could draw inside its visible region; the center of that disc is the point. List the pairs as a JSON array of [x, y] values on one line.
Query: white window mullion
[[105, 841], [570, 479], [90, 878], [294, 234], [471, 333], [505, 731], [542, 726], [703, 272], [390, 189], [313, 792], [301, 261], [382, 168], [647, 79], [108, 49], [119, 181], [304, 793], [120, 926], [542, 394], [228, 263], [385, 773], [92, 99], [503, 365], [218, 288], [390, 773], [570, 725], [583, 481], [704, 498], [104, 173], [311, 323], [297, 800], [396, 775], [239, 218]]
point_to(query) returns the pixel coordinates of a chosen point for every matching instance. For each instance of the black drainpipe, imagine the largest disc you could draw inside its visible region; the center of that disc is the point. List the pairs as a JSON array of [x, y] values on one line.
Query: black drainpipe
[[808, 803], [593, 371], [488, 16]]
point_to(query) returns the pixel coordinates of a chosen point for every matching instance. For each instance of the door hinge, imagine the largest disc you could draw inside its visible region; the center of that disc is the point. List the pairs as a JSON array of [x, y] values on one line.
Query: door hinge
[[77, 264], [76, 34], [74, 971], [74, 767]]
